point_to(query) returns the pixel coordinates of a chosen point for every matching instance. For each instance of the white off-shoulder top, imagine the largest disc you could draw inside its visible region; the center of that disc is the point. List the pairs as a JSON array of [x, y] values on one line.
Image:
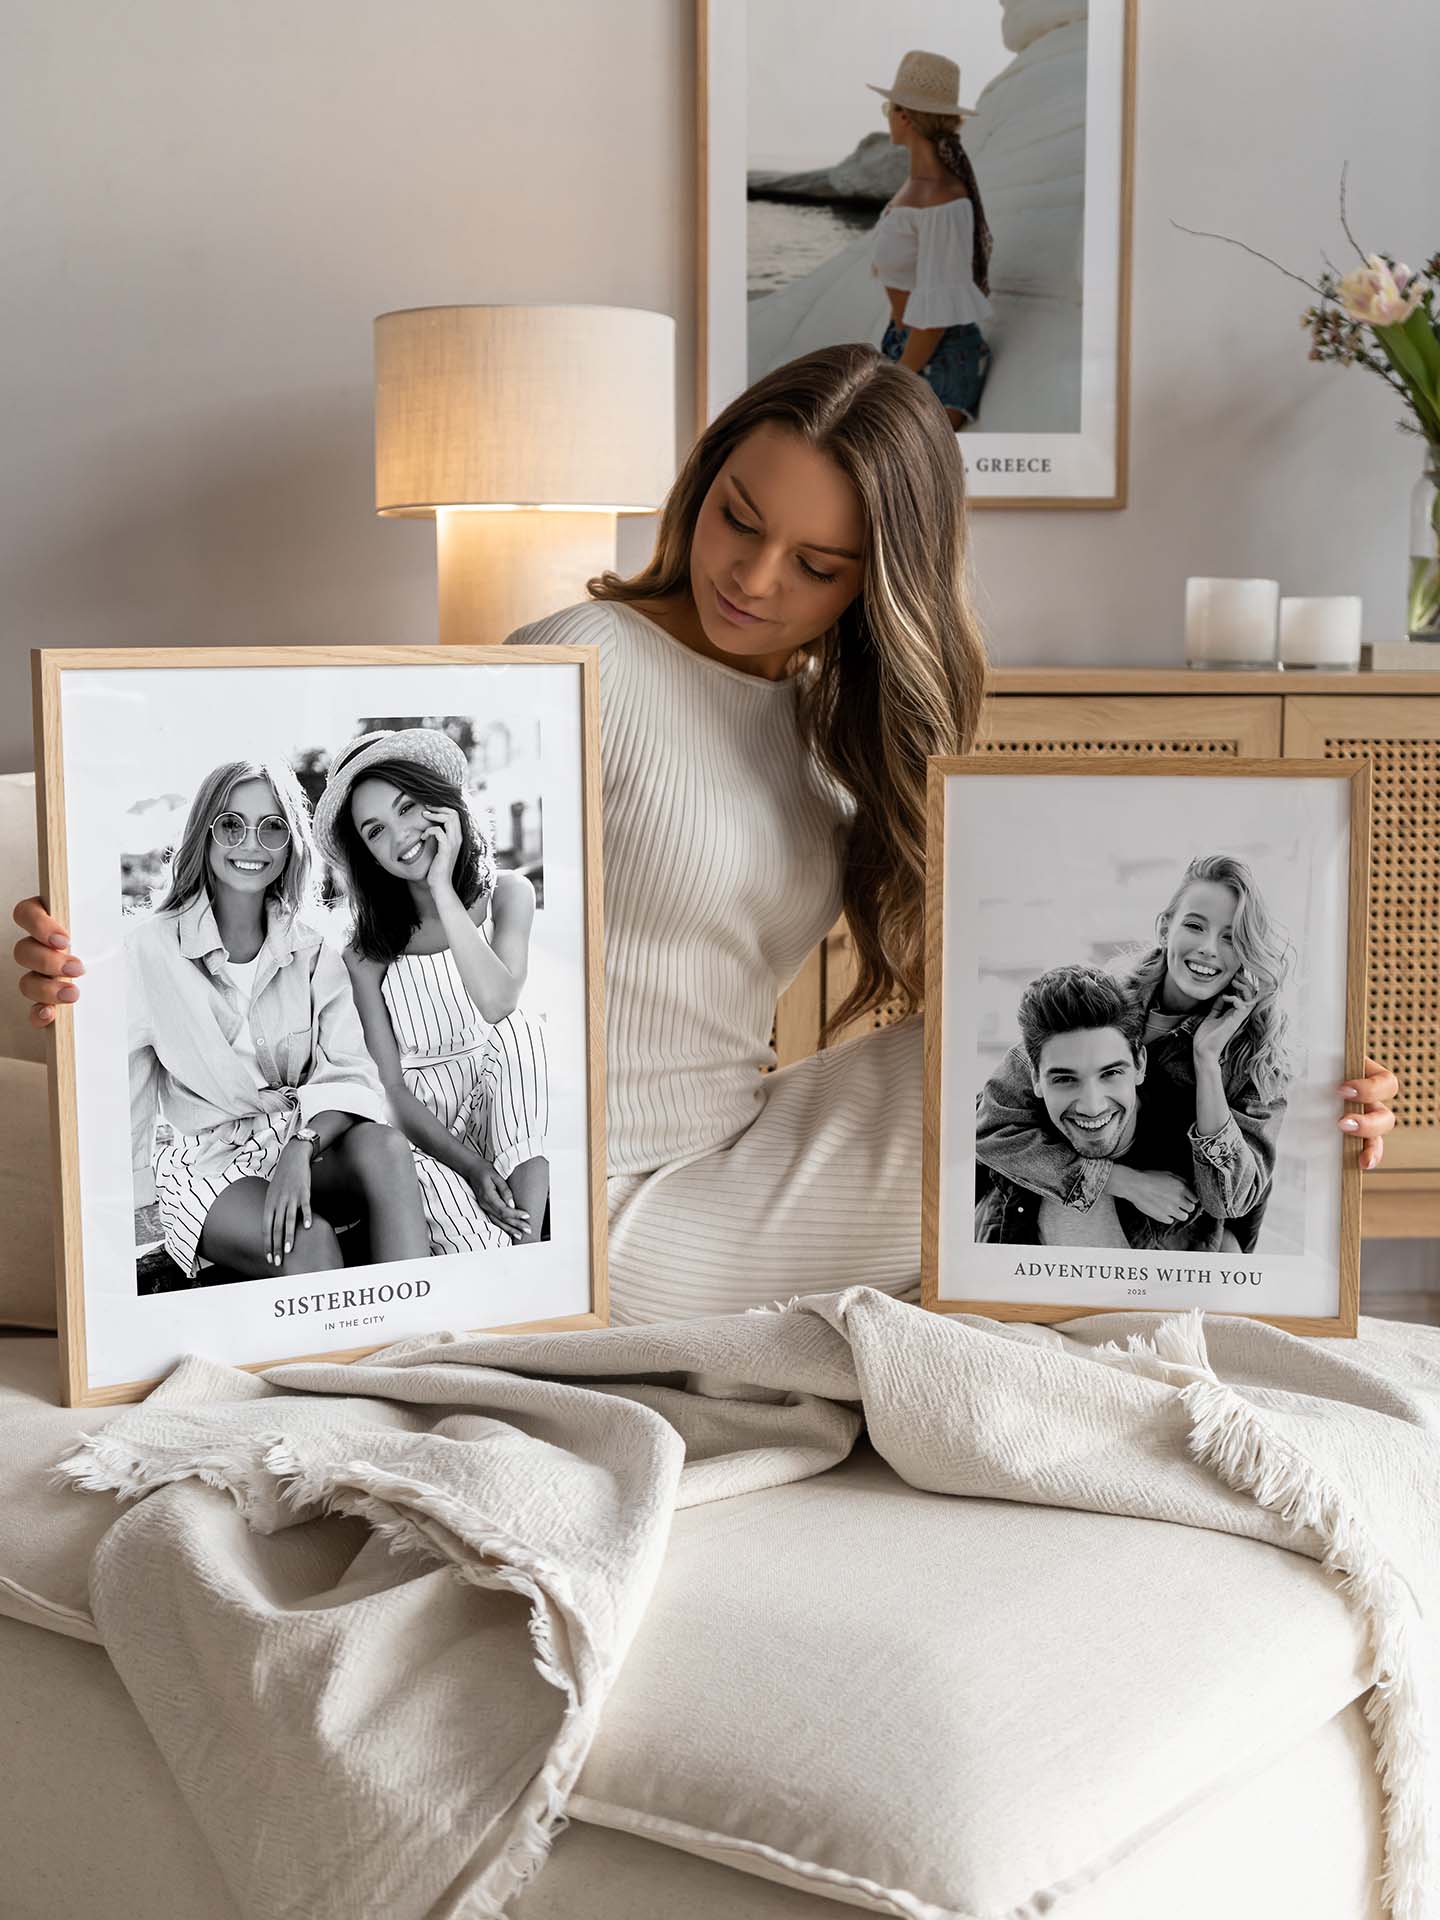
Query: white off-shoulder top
[[927, 252]]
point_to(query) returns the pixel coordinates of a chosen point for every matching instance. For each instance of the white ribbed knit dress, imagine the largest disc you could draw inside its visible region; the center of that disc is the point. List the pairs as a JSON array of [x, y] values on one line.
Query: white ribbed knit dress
[[730, 1187]]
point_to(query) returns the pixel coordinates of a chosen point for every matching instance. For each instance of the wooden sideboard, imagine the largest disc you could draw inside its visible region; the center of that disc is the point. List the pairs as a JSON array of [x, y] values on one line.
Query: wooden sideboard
[[1392, 720]]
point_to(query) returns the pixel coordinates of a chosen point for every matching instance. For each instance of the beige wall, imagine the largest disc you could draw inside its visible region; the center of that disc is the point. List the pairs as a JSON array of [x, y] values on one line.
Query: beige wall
[[204, 207], [206, 204]]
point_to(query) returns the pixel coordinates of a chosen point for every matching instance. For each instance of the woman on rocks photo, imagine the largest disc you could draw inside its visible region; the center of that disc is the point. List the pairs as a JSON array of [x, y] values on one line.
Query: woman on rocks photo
[[932, 245]]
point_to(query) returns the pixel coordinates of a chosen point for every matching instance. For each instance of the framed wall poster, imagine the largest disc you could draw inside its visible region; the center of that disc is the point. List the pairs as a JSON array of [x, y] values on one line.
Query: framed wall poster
[[1134, 1033], [340, 909], [795, 167]]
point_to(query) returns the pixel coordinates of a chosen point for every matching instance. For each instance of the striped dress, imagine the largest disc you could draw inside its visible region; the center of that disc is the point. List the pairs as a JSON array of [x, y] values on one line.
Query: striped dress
[[730, 1187], [489, 1086]]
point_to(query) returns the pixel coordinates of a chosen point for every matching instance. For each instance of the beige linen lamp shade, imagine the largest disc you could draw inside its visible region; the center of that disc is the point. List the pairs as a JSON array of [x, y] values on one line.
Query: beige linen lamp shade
[[523, 431]]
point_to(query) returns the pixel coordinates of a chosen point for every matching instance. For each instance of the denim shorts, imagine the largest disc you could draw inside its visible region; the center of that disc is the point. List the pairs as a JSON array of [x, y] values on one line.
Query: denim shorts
[[956, 371]]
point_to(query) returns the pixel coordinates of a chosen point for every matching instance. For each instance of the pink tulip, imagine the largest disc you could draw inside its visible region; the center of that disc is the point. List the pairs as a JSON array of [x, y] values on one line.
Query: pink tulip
[[1374, 296]]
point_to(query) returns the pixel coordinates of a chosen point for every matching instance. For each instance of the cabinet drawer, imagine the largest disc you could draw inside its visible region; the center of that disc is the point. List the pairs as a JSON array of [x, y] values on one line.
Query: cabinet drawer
[[1162, 726]]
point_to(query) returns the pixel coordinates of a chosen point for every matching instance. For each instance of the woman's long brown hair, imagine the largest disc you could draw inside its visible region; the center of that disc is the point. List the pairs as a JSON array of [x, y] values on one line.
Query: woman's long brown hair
[[901, 675], [942, 130]]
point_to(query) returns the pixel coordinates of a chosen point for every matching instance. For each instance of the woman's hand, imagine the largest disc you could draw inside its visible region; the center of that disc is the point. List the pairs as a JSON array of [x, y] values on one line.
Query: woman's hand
[[1227, 1015], [1374, 1089], [49, 966], [445, 830], [496, 1199], [287, 1201]]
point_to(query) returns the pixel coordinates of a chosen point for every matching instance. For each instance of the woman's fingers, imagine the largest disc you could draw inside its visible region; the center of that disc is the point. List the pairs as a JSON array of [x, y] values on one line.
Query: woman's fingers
[[1377, 1086], [34, 956], [48, 993], [33, 917], [1371, 1154], [1370, 1124]]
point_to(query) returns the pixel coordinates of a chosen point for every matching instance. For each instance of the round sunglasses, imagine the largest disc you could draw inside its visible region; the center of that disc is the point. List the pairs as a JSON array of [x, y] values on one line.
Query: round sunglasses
[[231, 829]]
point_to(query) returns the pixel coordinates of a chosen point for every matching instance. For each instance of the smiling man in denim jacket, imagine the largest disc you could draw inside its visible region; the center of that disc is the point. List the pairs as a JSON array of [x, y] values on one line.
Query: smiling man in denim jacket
[[1082, 1053]]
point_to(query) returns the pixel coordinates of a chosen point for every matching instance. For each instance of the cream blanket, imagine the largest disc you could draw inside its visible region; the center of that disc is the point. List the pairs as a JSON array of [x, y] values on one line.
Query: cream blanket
[[359, 1730]]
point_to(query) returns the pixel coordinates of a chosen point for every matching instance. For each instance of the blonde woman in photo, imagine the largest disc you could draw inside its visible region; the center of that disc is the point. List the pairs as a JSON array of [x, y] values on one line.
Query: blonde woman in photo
[[773, 684], [932, 244]]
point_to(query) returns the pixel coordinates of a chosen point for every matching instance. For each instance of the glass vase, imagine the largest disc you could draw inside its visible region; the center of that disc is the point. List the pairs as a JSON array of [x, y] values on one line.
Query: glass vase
[[1424, 596]]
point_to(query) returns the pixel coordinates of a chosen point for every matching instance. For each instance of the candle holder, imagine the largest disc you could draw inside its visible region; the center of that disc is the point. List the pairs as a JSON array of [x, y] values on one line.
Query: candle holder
[[1230, 624], [1320, 631]]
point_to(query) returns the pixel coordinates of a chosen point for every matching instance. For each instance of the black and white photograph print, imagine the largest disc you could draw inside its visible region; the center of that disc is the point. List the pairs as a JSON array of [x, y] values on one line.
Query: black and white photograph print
[[1144, 1018], [346, 953], [947, 180]]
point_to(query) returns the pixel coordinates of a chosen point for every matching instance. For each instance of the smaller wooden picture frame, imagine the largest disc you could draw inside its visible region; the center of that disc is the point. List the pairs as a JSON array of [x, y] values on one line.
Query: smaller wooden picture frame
[[1069, 904], [132, 748]]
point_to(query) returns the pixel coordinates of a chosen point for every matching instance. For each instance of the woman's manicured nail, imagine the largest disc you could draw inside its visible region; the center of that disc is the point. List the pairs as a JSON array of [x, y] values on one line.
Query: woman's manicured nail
[[68, 994], [72, 967], [1349, 1093], [1352, 1123], [59, 939]]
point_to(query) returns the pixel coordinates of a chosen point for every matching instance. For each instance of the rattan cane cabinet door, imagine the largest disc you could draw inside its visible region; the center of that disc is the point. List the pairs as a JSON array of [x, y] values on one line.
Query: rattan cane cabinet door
[[1400, 737], [1163, 727]]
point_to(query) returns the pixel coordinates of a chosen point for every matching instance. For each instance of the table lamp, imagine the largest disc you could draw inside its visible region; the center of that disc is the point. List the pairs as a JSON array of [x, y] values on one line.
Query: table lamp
[[522, 432]]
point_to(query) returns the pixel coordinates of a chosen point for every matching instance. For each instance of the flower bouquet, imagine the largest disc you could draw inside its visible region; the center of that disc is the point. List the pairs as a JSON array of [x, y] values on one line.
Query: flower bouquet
[[1385, 318]]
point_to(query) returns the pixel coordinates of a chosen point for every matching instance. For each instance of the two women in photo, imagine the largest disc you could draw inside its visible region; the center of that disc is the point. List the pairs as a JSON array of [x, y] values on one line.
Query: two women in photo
[[1203, 1099], [294, 1119]]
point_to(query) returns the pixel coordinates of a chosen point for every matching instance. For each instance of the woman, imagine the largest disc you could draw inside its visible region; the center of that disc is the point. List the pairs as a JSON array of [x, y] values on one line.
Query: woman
[[1216, 1076], [772, 686], [932, 245], [464, 1071], [243, 1035]]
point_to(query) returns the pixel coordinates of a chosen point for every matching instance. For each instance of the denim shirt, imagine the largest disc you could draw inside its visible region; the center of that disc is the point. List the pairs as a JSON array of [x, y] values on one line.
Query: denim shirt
[[184, 1013], [1231, 1171]]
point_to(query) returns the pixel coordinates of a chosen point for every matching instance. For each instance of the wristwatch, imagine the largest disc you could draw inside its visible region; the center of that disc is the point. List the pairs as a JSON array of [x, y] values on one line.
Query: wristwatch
[[309, 1136]]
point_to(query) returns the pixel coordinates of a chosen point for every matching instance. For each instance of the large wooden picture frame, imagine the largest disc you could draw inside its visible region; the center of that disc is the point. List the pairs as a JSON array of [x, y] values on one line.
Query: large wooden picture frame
[[1098, 1138], [136, 750], [793, 168]]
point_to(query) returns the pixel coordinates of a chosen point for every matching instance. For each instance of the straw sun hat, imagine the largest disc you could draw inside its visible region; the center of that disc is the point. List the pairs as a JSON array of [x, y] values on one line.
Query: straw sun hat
[[425, 746], [927, 82]]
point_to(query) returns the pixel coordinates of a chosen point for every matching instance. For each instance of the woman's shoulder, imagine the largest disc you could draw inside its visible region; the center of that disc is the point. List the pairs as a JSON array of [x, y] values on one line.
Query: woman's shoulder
[[590, 623], [928, 200]]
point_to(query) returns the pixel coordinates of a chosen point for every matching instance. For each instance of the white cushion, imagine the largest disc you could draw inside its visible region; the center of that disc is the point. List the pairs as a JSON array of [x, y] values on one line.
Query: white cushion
[[1254, 1853], [27, 1196], [915, 1704], [945, 1707]]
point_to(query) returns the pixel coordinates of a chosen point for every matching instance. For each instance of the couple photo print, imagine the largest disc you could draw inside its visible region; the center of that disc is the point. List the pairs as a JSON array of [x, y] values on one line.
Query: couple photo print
[[334, 1063], [1145, 985]]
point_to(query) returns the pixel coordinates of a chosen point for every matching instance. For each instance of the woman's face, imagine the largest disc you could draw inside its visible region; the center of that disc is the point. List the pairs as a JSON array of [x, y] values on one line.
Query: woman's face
[[247, 866], [1200, 956], [778, 549], [392, 826]]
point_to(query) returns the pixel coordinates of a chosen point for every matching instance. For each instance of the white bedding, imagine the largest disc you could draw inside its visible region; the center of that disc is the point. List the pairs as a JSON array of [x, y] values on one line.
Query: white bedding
[[1095, 1775]]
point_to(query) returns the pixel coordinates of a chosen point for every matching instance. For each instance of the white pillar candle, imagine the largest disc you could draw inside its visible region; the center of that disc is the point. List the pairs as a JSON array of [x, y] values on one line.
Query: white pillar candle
[[1321, 630], [1230, 623]]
